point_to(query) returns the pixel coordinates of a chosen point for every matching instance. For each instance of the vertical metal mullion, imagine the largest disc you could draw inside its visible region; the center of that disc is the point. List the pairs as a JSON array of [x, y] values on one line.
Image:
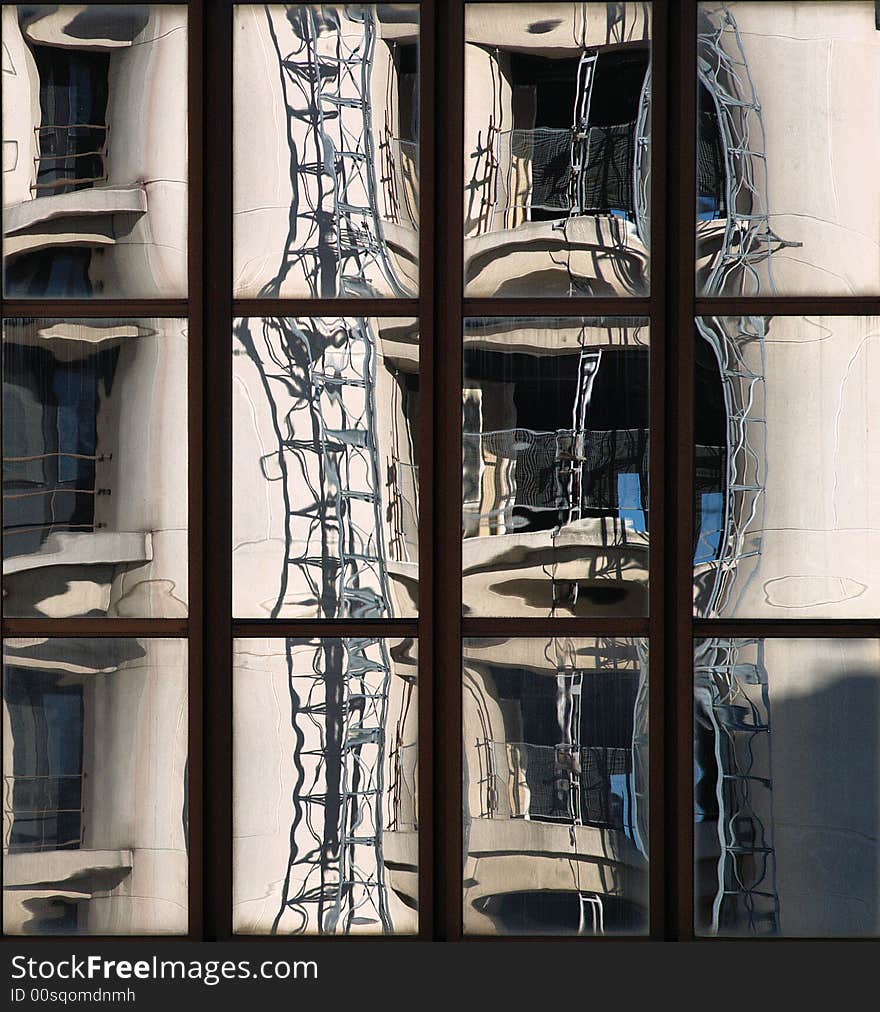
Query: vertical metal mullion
[[426, 739], [448, 280], [661, 548], [195, 341], [680, 309], [217, 491]]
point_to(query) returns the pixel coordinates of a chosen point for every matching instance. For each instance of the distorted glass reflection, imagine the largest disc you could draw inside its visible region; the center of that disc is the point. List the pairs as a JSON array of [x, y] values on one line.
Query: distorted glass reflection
[[325, 763], [95, 829], [557, 149], [787, 197], [555, 497], [95, 468], [786, 787], [94, 151], [555, 786], [787, 486], [325, 465], [326, 121]]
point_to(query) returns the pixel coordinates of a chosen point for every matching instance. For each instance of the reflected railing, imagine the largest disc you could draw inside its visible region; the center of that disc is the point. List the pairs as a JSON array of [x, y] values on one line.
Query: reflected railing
[[586, 785], [70, 156], [546, 173], [42, 813]]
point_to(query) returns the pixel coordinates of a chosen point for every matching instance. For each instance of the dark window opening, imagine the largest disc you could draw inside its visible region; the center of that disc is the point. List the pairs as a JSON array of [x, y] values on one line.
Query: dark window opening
[[563, 913], [59, 269], [711, 171], [50, 412], [46, 719], [73, 129]]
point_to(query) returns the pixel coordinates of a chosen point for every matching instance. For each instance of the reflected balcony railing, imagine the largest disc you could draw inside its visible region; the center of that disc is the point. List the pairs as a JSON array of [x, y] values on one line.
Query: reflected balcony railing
[[400, 181], [42, 813], [566, 783], [36, 507], [549, 174], [71, 156]]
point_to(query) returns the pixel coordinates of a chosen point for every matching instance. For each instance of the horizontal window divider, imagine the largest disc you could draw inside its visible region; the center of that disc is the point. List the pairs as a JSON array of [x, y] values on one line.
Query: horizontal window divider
[[554, 627], [557, 307], [325, 307], [790, 306], [327, 628], [804, 628], [95, 308], [142, 628]]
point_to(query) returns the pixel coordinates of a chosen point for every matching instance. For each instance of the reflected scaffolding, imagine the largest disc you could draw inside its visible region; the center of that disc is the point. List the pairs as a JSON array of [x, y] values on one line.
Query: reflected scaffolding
[[786, 787], [555, 786], [95, 828], [787, 199], [325, 462], [326, 115], [787, 490], [95, 151], [95, 468], [327, 843], [557, 149], [555, 455]]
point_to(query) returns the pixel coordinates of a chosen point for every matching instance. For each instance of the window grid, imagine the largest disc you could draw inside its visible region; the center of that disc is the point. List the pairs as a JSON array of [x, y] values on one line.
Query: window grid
[[441, 309]]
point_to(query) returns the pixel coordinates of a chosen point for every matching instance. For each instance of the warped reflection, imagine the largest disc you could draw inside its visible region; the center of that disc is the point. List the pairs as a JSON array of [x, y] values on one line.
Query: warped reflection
[[328, 843], [786, 787], [787, 200], [95, 151], [786, 487], [557, 149], [325, 465], [95, 828], [95, 468], [555, 491], [326, 112], [555, 786]]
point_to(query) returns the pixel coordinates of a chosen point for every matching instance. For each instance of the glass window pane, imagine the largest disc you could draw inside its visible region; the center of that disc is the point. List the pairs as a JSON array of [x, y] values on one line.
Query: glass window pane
[[787, 784], [325, 765], [326, 147], [325, 466], [95, 468], [787, 483], [95, 825], [788, 109], [555, 786], [555, 496], [557, 125], [94, 151]]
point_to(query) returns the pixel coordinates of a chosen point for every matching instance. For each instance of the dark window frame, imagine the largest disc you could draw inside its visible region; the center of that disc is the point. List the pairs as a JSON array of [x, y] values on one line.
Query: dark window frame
[[671, 308]]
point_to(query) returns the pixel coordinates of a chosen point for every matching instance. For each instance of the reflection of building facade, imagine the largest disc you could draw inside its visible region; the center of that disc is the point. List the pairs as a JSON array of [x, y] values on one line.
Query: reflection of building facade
[[94, 151], [557, 160], [94, 470], [555, 466], [326, 804], [328, 205], [779, 532], [555, 781], [94, 787], [326, 430]]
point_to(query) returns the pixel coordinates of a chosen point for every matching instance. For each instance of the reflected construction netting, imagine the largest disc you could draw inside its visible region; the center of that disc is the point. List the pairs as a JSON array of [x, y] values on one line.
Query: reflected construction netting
[[787, 142], [787, 490], [555, 735], [95, 829], [555, 454], [786, 787], [95, 468], [94, 151], [326, 113], [325, 464], [325, 786], [557, 149]]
